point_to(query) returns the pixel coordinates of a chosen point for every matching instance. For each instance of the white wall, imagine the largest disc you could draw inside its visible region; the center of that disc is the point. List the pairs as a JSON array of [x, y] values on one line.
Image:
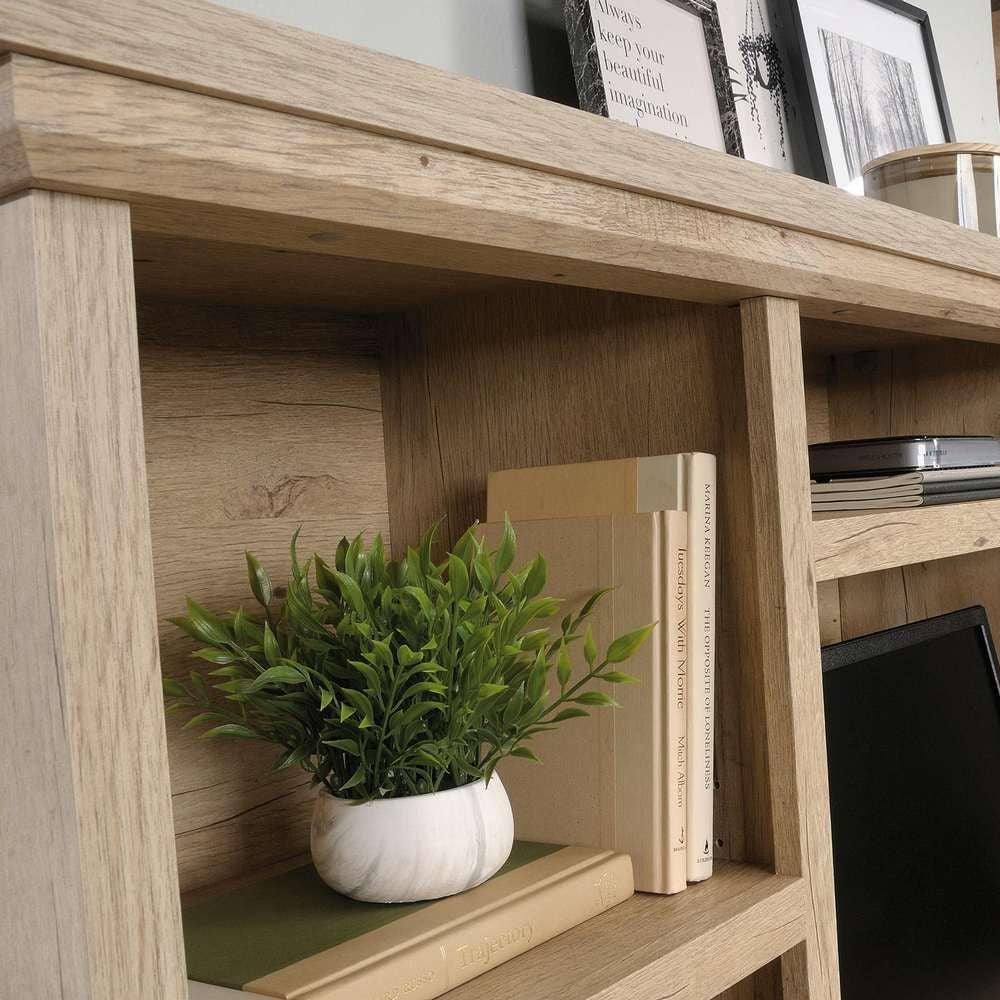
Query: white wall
[[481, 38], [489, 39], [964, 43]]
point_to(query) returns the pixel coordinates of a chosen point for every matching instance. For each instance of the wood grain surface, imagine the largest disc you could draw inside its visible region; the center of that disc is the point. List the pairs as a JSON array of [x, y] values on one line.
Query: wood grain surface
[[869, 541], [691, 946], [198, 46], [89, 877], [551, 375], [203, 167], [935, 388], [243, 274], [258, 422], [787, 642]]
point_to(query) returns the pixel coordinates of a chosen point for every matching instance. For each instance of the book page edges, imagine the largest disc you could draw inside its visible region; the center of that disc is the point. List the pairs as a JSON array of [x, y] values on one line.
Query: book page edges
[[429, 952]]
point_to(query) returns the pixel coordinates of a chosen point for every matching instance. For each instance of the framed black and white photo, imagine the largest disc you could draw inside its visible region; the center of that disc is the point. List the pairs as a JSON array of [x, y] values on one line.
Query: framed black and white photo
[[874, 82], [657, 64]]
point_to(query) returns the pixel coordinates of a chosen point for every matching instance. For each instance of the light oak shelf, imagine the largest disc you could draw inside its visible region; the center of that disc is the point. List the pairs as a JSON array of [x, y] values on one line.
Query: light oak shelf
[[253, 278], [657, 946], [866, 542]]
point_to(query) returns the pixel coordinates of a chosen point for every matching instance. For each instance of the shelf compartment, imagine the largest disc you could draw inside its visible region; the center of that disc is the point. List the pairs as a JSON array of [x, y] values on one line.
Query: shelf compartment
[[875, 540], [695, 944]]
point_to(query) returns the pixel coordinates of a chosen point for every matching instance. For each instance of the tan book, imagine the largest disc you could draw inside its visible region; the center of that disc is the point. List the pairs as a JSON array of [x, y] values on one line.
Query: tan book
[[587, 489], [615, 779], [632, 486], [290, 936]]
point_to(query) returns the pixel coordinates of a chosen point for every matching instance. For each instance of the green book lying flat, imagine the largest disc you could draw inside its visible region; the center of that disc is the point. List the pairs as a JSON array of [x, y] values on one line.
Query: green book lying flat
[[291, 936]]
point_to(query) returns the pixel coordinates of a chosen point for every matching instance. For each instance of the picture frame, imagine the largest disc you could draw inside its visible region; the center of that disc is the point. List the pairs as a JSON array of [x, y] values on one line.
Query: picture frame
[[657, 64], [874, 83]]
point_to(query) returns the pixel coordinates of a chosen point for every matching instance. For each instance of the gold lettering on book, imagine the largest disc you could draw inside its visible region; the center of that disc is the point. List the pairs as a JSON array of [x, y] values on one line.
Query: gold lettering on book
[[607, 889], [484, 951], [411, 984]]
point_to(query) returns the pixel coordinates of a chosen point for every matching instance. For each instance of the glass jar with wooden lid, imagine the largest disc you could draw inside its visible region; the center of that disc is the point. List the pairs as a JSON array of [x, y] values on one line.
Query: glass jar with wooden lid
[[958, 182]]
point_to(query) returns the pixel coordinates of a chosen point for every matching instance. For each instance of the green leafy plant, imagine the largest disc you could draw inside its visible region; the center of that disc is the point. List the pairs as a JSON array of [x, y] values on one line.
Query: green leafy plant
[[388, 679]]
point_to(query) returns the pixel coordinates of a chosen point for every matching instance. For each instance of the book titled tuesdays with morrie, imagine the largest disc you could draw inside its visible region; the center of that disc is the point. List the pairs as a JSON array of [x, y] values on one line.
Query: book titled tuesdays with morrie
[[291, 936], [683, 482]]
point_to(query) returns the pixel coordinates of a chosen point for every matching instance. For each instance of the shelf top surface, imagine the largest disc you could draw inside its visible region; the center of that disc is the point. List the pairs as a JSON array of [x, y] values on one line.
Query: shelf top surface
[[518, 187], [868, 541], [199, 46]]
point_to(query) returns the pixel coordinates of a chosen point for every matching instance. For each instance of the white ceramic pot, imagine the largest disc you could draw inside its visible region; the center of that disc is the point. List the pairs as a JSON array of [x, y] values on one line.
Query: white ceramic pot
[[418, 847]]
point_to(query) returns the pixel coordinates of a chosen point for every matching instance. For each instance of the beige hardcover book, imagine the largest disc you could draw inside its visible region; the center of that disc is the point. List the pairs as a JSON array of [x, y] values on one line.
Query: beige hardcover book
[[587, 489], [612, 779], [292, 937], [676, 620]]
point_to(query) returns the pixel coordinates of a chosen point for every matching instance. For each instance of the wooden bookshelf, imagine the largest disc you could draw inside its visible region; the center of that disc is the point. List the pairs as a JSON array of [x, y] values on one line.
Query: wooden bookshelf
[[878, 540], [252, 278]]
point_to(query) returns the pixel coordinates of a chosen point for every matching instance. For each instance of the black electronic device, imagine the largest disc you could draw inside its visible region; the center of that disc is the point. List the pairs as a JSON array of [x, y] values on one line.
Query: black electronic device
[[913, 743]]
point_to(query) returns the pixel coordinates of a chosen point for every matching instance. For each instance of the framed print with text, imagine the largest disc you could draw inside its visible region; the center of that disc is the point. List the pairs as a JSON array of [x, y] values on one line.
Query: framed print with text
[[873, 79], [657, 64]]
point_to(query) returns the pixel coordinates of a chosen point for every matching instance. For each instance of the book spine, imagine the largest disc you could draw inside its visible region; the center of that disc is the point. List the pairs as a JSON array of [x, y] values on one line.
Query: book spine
[[461, 952], [700, 490], [675, 558]]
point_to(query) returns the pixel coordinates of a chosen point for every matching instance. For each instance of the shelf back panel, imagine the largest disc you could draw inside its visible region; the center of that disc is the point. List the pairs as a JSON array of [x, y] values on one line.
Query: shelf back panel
[[552, 375], [257, 422]]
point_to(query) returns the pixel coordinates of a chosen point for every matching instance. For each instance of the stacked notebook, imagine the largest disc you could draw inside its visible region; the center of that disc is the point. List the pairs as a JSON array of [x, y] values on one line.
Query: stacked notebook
[[638, 779], [291, 936], [906, 489]]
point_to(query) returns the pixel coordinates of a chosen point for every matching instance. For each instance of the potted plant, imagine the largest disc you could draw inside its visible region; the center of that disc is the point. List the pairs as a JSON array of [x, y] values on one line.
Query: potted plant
[[399, 687]]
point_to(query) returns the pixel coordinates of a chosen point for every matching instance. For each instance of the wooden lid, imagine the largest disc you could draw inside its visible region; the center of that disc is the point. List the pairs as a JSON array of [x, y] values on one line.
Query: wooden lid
[[942, 149]]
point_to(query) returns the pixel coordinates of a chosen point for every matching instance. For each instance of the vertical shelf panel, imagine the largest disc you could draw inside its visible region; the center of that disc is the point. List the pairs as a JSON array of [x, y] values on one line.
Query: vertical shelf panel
[[88, 848], [788, 637]]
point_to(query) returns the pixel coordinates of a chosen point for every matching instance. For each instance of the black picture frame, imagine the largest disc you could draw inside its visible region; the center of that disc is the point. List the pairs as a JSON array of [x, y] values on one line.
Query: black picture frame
[[805, 80], [587, 66]]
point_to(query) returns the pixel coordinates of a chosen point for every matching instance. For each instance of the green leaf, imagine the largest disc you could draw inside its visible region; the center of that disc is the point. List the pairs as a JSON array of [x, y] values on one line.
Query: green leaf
[[592, 602], [418, 710], [260, 582], [617, 677], [355, 779], [231, 730], [624, 646], [525, 753], [590, 647], [172, 688], [564, 668], [491, 690], [203, 625], [325, 697], [272, 652], [506, 550], [360, 701], [340, 557], [407, 657], [213, 655], [346, 711], [350, 591], [296, 568], [280, 674], [348, 746], [420, 596], [458, 577], [370, 675], [536, 679], [201, 718], [596, 698], [535, 579], [570, 713], [484, 572]]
